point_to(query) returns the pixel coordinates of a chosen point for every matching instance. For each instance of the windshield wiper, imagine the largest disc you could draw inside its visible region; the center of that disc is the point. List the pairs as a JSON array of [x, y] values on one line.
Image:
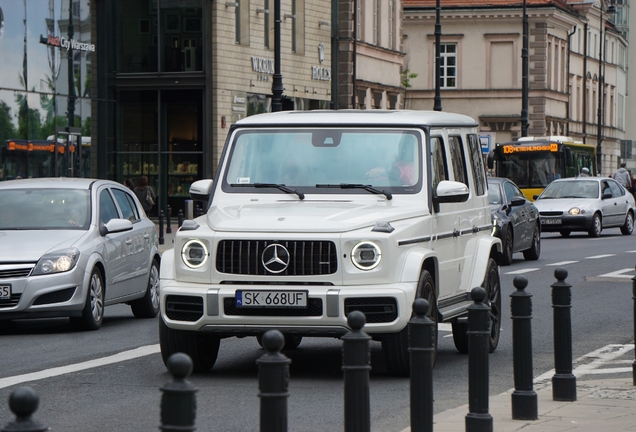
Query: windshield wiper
[[368, 188], [271, 185]]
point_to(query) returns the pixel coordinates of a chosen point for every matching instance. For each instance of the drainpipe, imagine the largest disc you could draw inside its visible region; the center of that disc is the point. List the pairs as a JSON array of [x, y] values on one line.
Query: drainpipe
[[567, 105], [585, 83], [355, 44]]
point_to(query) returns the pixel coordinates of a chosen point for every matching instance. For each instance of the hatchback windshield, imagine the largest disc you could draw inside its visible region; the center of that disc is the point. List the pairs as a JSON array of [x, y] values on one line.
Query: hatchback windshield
[[571, 189], [310, 158], [23, 209]]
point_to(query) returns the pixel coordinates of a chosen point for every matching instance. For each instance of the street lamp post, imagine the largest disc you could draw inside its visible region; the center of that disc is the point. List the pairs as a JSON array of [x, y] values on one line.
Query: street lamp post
[[277, 81], [524, 82], [438, 58], [601, 81]]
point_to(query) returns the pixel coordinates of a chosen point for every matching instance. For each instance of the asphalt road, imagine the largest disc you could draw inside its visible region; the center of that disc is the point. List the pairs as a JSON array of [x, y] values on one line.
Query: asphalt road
[[123, 394]]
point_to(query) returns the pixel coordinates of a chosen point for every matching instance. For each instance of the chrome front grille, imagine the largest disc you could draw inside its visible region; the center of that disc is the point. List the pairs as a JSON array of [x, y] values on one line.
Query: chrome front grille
[[551, 213], [15, 270], [306, 258]]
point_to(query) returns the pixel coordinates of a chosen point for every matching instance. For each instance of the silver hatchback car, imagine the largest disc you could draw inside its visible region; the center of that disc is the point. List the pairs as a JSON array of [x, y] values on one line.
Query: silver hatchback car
[[70, 246]]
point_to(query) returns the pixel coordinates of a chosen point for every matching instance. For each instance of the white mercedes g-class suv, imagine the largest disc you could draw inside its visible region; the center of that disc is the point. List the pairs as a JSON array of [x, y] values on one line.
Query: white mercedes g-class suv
[[315, 214]]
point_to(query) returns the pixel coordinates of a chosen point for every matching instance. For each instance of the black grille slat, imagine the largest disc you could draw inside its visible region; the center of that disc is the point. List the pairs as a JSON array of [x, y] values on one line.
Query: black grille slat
[[15, 299], [375, 309], [551, 213], [314, 308], [307, 258], [55, 297], [184, 308], [15, 272]]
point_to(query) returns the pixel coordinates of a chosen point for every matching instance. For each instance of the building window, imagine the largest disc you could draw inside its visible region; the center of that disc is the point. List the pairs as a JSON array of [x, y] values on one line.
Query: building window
[[242, 22], [391, 22], [266, 15], [237, 22], [358, 19], [298, 26], [448, 69], [376, 17]]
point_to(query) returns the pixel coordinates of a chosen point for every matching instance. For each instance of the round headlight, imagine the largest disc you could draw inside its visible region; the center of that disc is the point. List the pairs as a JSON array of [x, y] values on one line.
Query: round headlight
[[366, 255], [194, 254], [575, 211]]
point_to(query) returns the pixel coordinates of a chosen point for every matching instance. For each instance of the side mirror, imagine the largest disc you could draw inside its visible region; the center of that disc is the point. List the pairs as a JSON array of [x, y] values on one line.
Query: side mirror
[[451, 192], [115, 226], [517, 201], [607, 195], [491, 160], [200, 190], [535, 196]]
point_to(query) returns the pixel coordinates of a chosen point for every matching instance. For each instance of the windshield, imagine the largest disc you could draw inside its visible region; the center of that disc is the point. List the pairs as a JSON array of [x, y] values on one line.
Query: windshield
[[571, 189], [530, 169], [306, 159], [23, 209]]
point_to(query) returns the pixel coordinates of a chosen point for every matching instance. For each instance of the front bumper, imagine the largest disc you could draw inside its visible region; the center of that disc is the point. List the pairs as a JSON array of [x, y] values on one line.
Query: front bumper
[[46, 296], [211, 308], [568, 223]]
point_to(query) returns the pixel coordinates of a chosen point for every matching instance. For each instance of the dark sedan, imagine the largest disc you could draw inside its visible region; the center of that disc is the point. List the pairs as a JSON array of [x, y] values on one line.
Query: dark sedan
[[515, 220]]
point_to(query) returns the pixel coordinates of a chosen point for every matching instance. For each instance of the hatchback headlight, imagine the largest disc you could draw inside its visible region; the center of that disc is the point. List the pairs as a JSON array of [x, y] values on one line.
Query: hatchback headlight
[[57, 262], [194, 253], [366, 255], [576, 211]]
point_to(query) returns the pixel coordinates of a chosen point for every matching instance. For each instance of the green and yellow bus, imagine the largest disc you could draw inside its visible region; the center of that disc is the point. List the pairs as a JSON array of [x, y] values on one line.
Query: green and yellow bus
[[534, 162]]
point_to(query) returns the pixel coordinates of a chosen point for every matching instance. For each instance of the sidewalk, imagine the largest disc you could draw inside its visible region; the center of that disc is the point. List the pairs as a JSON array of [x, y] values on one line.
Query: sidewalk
[[167, 238], [608, 404]]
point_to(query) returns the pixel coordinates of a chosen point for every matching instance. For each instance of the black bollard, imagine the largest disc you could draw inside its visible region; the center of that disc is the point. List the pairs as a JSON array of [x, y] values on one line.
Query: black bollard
[[478, 418], [168, 223], [563, 381], [23, 402], [273, 380], [524, 398], [356, 363], [178, 401], [421, 348], [634, 302], [180, 218], [161, 238]]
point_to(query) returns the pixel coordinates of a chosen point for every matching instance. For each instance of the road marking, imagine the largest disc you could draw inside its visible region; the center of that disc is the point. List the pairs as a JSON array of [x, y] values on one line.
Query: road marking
[[522, 271], [62, 370], [589, 363], [561, 263], [619, 274], [632, 251], [600, 256]]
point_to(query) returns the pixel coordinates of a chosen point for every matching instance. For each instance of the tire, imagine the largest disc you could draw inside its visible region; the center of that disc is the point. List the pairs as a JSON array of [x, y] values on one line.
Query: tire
[[93, 312], [460, 336], [492, 286], [148, 305], [565, 233], [202, 348], [291, 341], [533, 253], [508, 244], [395, 346], [628, 226], [597, 226]]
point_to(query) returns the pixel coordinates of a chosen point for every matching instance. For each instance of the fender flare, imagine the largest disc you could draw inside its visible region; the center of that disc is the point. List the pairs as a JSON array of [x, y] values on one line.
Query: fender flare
[[485, 249], [413, 264]]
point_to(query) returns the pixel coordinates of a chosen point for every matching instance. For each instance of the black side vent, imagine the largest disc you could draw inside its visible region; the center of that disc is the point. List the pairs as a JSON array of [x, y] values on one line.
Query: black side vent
[[184, 308], [55, 297], [375, 309], [13, 301]]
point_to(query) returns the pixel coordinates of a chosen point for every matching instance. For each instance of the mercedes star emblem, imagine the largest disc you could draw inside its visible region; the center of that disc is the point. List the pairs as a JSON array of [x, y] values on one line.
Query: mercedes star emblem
[[275, 258]]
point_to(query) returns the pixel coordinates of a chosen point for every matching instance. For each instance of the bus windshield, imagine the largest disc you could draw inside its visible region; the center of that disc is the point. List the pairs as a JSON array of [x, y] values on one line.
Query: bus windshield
[[531, 170]]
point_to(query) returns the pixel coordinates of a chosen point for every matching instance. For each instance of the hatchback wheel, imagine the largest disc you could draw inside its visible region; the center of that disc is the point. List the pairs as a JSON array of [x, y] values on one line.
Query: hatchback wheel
[[148, 305], [93, 312], [628, 226]]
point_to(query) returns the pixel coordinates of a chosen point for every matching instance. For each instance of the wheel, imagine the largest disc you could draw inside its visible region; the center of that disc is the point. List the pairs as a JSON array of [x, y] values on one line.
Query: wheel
[[291, 341], [628, 226], [202, 348], [597, 226], [460, 336], [533, 253], [93, 313], [395, 347], [148, 305], [508, 243], [565, 233], [493, 289]]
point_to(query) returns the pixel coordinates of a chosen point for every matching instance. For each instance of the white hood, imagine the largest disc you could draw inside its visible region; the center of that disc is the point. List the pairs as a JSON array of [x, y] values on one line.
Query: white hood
[[30, 245], [308, 215], [562, 204]]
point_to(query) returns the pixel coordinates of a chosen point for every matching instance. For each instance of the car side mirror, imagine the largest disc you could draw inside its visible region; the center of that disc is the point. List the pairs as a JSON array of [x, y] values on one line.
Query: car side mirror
[[115, 226], [200, 190], [607, 195], [517, 201], [535, 196], [451, 192]]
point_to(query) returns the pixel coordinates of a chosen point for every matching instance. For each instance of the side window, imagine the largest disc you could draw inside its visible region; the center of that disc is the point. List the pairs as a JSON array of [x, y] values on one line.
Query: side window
[[477, 160], [128, 209], [616, 189], [438, 162], [605, 188], [458, 159], [510, 190], [107, 209]]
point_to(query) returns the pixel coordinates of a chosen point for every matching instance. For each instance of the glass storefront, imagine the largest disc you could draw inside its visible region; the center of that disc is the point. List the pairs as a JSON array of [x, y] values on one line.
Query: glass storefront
[[45, 85]]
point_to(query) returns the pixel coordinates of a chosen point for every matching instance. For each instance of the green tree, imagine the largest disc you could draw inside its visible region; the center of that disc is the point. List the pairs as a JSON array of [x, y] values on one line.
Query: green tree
[[407, 76], [7, 129]]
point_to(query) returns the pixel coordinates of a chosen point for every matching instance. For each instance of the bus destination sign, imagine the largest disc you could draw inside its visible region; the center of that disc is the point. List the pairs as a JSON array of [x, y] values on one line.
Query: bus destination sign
[[509, 148]]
